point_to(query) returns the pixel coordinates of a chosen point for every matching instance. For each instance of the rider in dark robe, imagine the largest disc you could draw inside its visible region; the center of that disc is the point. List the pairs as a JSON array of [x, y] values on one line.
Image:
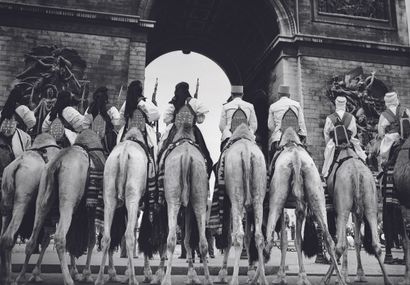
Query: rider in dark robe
[[109, 114], [182, 97]]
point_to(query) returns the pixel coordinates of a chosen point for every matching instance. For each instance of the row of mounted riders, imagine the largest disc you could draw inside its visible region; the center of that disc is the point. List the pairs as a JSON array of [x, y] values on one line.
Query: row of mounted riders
[[49, 176]]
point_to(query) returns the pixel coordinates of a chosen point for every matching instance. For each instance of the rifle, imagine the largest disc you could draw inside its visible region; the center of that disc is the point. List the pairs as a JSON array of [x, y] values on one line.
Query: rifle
[[154, 101], [197, 88], [118, 98]]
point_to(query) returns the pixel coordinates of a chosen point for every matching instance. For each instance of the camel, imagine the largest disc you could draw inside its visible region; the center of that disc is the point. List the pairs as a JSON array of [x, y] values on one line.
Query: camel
[[123, 185], [63, 180], [186, 184], [401, 175], [19, 189], [296, 173], [6, 157], [245, 178], [352, 186]]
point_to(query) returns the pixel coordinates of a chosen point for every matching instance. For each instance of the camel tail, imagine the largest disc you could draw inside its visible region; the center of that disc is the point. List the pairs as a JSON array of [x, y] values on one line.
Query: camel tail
[[8, 188], [246, 175], [185, 177], [310, 243], [121, 173], [367, 238]]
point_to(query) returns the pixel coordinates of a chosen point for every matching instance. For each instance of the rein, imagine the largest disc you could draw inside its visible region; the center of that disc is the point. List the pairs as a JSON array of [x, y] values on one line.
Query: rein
[[43, 150], [89, 149]]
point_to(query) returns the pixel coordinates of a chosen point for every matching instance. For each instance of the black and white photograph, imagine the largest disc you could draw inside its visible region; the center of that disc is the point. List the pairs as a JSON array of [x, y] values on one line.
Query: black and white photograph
[[205, 142]]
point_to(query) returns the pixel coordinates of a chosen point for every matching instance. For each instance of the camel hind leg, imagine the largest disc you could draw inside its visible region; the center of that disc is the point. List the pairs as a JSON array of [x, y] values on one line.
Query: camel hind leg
[[192, 277], [110, 203], [281, 275], [91, 244], [360, 276], [200, 215], [36, 273], [237, 238], [44, 202], [132, 209], [406, 245], [60, 240], [223, 272], [371, 216], [173, 209], [7, 239]]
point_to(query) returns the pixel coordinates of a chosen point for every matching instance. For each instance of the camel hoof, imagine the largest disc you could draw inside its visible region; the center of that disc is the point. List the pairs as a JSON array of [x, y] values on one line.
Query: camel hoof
[[263, 281], [20, 278], [234, 281], [251, 276], [360, 278], [280, 279], [222, 276], [207, 282], [132, 281], [99, 281], [404, 281], [192, 277], [157, 278], [112, 276], [166, 281], [35, 278], [147, 275], [303, 280]]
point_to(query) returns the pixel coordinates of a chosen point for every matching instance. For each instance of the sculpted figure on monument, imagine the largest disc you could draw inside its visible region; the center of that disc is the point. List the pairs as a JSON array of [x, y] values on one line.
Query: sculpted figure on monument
[[364, 96], [49, 70], [376, 9]]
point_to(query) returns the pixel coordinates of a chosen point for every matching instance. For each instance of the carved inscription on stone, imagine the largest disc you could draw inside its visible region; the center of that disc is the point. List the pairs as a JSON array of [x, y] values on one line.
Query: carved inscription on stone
[[375, 9]]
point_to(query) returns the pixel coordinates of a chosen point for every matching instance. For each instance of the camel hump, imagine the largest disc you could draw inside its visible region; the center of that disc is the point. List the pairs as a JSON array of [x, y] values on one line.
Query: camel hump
[[185, 117], [289, 135], [137, 120], [290, 120], [8, 127], [99, 125]]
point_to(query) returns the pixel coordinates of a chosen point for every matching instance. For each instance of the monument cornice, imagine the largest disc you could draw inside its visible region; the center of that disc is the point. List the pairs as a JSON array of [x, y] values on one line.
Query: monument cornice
[[94, 17], [330, 47]]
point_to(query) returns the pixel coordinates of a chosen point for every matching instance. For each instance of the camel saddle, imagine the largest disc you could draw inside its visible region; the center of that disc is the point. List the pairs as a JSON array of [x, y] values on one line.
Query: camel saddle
[[290, 120], [99, 126], [138, 120], [185, 116], [8, 127], [238, 118]]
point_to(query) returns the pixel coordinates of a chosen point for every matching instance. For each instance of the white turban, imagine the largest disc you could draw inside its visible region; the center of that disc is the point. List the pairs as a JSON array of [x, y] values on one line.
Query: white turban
[[391, 99], [340, 103]]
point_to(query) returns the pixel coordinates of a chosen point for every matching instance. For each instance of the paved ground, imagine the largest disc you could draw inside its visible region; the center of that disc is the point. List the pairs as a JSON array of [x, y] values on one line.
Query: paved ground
[[51, 279], [51, 266]]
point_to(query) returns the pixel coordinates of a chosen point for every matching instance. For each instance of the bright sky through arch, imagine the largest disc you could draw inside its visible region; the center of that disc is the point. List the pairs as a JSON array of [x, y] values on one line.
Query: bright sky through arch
[[214, 88]]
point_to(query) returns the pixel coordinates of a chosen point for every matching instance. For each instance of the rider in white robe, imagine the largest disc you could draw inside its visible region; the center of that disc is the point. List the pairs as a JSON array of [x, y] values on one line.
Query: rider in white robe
[[330, 143], [228, 109], [14, 109], [73, 119], [389, 127], [276, 112]]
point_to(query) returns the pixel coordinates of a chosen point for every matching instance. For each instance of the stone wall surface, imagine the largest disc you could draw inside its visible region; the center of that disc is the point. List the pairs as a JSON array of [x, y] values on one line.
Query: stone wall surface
[[111, 61], [315, 73]]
